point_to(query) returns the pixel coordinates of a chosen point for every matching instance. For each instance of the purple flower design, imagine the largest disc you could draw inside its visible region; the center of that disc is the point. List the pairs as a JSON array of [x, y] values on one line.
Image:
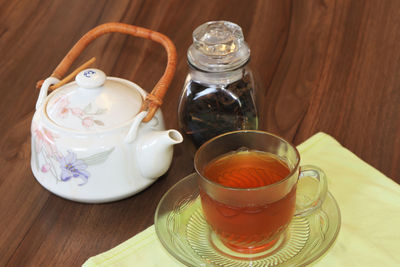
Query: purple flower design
[[71, 167]]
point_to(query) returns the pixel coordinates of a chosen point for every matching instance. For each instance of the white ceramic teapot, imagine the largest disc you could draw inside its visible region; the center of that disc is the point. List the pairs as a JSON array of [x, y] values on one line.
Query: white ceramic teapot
[[101, 139]]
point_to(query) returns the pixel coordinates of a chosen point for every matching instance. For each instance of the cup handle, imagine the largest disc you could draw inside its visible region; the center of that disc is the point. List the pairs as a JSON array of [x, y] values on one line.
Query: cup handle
[[312, 187]]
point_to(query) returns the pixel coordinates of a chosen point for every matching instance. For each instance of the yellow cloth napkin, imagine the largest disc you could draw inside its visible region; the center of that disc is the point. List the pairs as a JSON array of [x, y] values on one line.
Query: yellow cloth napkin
[[368, 200]]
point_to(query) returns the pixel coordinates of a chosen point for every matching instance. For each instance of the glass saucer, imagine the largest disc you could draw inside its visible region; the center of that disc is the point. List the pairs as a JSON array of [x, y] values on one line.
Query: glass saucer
[[183, 231]]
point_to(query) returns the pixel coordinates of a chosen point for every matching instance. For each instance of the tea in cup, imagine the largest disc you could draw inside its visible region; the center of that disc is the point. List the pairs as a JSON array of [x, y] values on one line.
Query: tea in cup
[[247, 183]]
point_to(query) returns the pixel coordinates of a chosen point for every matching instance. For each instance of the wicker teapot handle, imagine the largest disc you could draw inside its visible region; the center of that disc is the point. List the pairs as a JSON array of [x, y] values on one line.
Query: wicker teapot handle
[[154, 99]]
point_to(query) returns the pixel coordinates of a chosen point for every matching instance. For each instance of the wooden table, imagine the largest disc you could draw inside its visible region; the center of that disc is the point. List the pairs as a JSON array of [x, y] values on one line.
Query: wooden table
[[330, 66]]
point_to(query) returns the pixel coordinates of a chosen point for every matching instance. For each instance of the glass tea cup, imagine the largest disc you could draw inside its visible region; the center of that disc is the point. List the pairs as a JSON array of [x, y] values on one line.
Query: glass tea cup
[[248, 183]]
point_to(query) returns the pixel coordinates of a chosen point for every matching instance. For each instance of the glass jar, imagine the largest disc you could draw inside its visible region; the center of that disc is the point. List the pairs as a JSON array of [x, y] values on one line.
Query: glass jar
[[219, 91]]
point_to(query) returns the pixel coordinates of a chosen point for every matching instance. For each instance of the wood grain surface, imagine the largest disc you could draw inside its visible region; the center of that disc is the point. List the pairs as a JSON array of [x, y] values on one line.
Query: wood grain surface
[[330, 66]]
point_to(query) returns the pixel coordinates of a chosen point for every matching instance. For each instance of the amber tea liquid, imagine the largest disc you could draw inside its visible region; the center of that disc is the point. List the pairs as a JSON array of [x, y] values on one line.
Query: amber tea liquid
[[249, 228]]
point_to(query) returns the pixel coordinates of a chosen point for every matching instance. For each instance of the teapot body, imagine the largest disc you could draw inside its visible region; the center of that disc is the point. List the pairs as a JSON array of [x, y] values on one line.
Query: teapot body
[[90, 166]]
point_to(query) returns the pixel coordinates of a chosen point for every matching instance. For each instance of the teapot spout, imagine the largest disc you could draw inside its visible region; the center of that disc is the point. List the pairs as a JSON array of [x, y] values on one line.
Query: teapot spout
[[155, 151], [173, 137]]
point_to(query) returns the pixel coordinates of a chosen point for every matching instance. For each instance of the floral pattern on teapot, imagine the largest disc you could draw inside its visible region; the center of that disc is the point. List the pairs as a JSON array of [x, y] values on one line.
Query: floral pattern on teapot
[[87, 115], [62, 166]]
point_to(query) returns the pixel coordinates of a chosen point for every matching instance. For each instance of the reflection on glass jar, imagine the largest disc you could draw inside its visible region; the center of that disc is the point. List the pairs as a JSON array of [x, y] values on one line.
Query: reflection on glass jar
[[219, 92]]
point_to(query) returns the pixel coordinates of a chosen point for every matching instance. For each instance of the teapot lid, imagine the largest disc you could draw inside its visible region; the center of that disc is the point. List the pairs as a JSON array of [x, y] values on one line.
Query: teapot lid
[[94, 102]]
